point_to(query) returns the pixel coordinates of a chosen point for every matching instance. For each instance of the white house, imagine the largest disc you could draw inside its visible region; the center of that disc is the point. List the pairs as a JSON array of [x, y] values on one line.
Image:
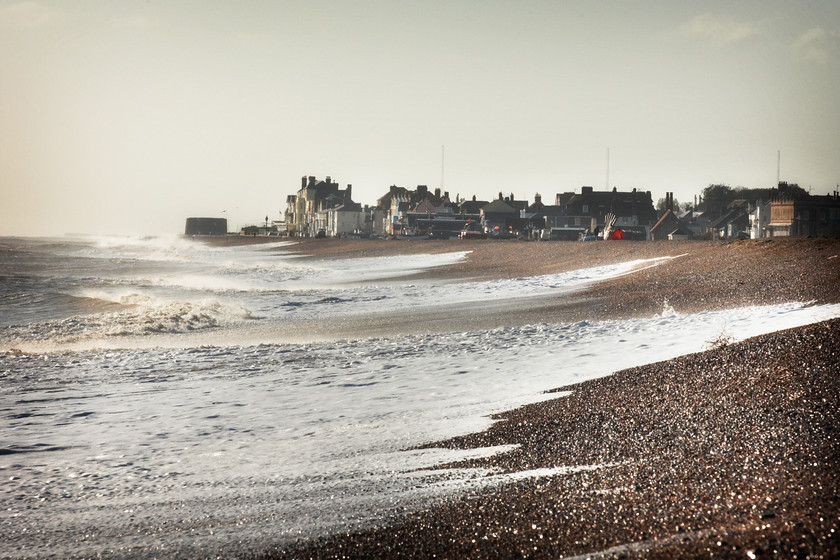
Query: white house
[[347, 218], [759, 219]]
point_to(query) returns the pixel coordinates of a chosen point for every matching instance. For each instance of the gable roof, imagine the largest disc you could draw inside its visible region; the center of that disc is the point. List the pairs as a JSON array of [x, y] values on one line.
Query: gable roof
[[472, 206], [621, 203], [733, 215], [499, 207], [667, 218], [425, 207]]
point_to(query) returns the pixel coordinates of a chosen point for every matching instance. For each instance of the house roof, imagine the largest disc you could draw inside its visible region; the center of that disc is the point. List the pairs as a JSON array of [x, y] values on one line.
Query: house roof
[[621, 203], [667, 218], [729, 217], [348, 207], [425, 206], [499, 207]]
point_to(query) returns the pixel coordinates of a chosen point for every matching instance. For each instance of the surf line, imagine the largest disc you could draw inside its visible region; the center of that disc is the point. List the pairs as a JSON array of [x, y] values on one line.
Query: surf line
[[649, 263]]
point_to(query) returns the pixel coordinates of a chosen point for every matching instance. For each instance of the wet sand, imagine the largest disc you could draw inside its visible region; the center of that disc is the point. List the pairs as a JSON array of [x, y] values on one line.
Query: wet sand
[[731, 453]]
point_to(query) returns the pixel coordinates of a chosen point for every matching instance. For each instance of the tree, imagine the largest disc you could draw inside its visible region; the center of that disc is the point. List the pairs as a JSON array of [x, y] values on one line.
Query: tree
[[717, 196], [792, 191], [660, 205]]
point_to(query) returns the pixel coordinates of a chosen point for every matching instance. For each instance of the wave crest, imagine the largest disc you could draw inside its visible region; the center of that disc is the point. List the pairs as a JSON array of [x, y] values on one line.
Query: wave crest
[[144, 317]]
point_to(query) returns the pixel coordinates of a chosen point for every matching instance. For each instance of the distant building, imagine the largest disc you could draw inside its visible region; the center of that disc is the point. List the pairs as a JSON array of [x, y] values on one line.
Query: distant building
[[665, 226], [206, 226], [734, 221], [541, 218], [344, 219], [471, 208], [307, 211], [498, 215], [634, 210], [812, 216], [759, 217], [403, 210]]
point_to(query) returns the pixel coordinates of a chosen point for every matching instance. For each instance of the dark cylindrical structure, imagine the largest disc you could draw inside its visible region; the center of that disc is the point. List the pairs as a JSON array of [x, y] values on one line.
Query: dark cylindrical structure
[[206, 226]]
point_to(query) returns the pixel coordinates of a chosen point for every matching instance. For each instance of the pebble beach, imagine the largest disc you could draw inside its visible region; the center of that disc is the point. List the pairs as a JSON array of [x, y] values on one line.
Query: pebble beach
[[729, 453], [410, 398]]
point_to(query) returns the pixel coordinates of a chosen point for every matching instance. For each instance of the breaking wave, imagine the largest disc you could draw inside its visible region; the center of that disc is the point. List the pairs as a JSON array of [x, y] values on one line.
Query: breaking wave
[[140, 315]]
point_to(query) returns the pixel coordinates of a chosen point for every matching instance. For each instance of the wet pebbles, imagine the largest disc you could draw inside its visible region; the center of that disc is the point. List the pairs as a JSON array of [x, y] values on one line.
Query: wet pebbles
[[730, 453]]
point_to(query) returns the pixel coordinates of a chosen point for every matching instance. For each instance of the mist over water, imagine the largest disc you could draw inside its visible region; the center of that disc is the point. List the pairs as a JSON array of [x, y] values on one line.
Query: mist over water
[[189, 449]]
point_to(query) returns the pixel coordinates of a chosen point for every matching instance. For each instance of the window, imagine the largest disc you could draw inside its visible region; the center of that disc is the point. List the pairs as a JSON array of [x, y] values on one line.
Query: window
[[585, 209]]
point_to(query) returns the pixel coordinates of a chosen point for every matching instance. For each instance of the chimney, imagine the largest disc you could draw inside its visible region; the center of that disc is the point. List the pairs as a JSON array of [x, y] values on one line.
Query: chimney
[[437, 193], [311, 180], [586, 190], [446, 194], [348, 192], [537, 199], [501, 196], [422, 189], [473, 198], [303, 182]]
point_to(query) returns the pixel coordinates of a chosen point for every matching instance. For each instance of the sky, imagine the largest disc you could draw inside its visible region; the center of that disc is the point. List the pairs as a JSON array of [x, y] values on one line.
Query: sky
[[127, 117]]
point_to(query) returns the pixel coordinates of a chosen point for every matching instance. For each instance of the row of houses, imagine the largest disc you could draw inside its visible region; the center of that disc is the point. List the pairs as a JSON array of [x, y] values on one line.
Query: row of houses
[[811, 216], [321, 208]]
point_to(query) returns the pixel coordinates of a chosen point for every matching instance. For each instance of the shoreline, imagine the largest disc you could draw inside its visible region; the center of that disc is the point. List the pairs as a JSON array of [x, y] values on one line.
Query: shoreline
[[703, 276], [615, 445], [730, 452]]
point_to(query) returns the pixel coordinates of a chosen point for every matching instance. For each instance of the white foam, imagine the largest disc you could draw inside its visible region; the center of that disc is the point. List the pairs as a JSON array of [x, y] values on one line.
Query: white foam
[[310, 434]]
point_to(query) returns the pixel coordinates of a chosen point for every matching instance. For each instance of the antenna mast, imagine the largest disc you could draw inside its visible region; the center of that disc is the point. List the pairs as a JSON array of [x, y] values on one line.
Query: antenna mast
[[608, 169], [778, 167], [442, 148]]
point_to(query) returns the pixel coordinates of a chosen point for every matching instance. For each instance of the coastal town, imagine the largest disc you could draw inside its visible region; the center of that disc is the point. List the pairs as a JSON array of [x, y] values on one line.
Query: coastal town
[[322, 208]]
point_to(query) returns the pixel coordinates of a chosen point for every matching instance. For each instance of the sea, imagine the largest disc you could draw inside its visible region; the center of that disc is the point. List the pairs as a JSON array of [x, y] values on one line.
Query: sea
[[164, 397]]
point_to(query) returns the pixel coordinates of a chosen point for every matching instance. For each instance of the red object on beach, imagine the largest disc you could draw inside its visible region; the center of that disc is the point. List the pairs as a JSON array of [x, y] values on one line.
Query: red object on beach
[[616, 234]]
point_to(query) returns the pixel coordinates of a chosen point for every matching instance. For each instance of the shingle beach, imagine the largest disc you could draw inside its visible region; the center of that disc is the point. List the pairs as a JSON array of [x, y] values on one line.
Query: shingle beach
[[729, 453]]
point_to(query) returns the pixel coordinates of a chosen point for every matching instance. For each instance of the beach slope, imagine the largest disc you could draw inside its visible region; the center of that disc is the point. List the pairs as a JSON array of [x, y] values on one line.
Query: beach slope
[[729, 453]]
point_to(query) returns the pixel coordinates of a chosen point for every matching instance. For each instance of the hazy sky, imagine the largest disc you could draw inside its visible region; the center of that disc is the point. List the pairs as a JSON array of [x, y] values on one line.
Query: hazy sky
[[129, 116]]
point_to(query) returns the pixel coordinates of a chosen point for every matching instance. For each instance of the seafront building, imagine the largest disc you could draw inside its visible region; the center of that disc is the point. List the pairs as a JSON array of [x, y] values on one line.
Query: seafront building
[[321, 208], [814, 216], [633, 210]]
